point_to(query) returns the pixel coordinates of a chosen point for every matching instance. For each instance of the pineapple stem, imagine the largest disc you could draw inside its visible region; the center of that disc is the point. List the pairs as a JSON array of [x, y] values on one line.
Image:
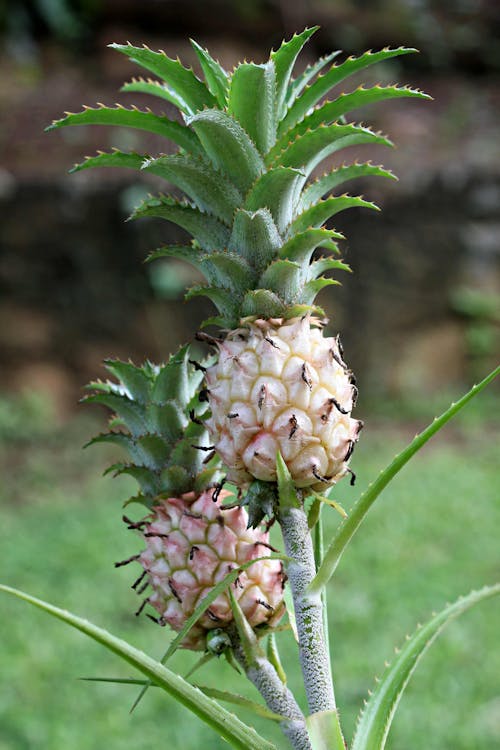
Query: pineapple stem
[[313, 647], [277, 696], [318, 557]]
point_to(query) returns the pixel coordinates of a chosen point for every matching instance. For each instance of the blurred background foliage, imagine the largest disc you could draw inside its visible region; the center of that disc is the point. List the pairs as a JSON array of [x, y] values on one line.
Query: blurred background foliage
[[420, 320]]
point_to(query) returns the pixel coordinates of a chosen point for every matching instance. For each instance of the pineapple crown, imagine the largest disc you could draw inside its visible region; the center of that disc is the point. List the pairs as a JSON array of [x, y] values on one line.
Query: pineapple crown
[[248, 145], [157, 419]]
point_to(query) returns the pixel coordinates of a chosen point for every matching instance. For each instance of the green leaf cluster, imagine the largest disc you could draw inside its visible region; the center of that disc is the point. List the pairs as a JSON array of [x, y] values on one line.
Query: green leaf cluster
[[157, 420], [248, 144]]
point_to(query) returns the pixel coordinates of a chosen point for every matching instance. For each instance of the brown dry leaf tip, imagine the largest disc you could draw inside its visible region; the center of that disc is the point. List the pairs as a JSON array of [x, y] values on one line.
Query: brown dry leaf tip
[[143, 604], [135, 525], [121, 563]]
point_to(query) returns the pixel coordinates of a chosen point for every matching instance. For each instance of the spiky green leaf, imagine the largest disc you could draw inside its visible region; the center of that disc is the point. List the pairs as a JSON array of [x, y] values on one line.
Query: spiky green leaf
[[173, 380], [229, 147], [149, 481], [278, 190], [150, 451], [210, 190], [320, 212], [273, 656], [300, 247], [337, 73], [167, 419], [153, 88], [256, 237], [211, 233], [189, 253], [237, 734], [284, 278], [256, 708], [317, 189], [225, 300], [115, 158], [317, 267], [229, 270], [284, 60], [120, 116], [297, 85], [133, 378], [215, 75], [126, 410], [287, 492], [376, 718], [314, 287], [333, 110], [308, 150], [247, 637], [263, 303], [252, 102], [191, 92]]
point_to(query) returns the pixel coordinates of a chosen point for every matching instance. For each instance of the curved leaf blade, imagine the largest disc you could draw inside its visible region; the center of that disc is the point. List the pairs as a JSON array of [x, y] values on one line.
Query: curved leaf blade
[[256, 237], [239, 700], [215, 75], [228, 146], [120, 116], [376, 718], [284, 59], [153, 88], [228, 726], [317, 189], [211, 233], [319, 213], [210, 190], [360, 97], [252, 102], [115, 158], [297, 85], [301, 247], [348, 528], [192, 93], [277, 189], [308, 150], [337, 73]]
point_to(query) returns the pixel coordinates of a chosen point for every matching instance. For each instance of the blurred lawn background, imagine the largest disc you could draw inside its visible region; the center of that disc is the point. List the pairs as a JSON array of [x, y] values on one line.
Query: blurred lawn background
[[420, 319]]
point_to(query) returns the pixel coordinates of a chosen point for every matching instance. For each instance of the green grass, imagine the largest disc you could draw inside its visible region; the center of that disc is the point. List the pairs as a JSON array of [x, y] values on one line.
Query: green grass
[[432, 535]]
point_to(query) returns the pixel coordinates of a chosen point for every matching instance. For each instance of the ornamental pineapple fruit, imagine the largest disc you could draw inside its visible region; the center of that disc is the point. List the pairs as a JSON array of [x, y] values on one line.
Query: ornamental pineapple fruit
[[249, 145], [191, 545], [191, 540], [282, 386]]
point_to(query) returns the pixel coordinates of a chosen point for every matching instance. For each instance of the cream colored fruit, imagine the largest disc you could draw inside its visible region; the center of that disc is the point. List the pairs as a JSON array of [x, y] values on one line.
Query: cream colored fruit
[[282, 386]]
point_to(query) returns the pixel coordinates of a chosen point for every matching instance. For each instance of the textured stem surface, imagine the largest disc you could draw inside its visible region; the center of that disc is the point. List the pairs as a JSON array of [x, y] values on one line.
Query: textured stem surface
[[277, 696], [314, 656]]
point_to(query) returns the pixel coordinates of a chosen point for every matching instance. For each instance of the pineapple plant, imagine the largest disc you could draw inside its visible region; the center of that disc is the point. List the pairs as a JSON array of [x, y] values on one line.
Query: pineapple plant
[[249, 144], [192, 541], [274, 413]]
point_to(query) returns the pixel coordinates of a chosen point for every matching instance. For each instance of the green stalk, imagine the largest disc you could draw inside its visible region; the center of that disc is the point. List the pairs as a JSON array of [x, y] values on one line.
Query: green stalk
[[318, 557], [314, 656], [266, 679], [301, 569]]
